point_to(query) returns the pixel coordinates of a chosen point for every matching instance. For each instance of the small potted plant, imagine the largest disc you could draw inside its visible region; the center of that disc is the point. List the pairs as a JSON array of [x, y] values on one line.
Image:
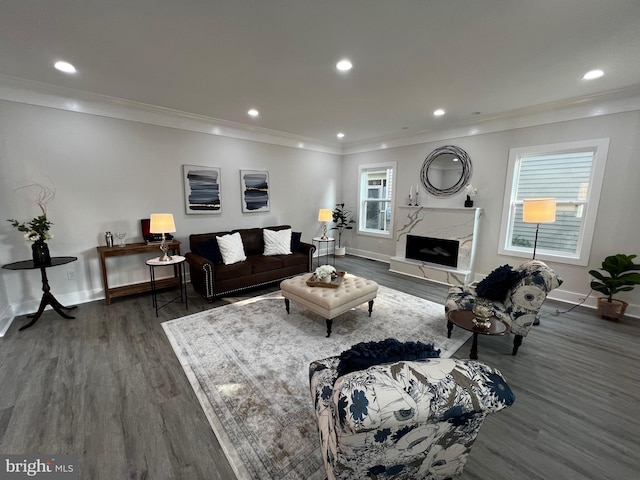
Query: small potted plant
[[342, 219], [621, 278]]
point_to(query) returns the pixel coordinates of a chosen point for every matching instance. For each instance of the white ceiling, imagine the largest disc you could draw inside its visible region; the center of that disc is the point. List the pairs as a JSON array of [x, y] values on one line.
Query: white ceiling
[[410, 57]]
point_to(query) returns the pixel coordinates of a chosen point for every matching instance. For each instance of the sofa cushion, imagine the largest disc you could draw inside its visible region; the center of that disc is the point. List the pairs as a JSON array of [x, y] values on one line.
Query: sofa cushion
[[496, 285], [295, 241], [231, 248], [252, 241], [295, 258], [209, 249], [366, 354], [277, 242], [260, 263], [229, 272]]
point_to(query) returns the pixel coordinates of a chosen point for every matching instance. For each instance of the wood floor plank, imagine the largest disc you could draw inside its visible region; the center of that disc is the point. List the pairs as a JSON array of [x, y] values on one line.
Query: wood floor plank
[[108, 387]]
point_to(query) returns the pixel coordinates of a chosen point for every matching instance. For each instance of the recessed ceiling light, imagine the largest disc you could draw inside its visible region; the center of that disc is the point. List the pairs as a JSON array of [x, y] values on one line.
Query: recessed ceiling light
[[253, 112], [592, 74], [340, 135], [344, 65], [438, 112], [65, 67]]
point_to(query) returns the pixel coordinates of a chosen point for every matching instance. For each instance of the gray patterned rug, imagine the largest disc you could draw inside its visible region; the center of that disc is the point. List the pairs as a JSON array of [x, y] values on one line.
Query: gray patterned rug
[[248, 365]]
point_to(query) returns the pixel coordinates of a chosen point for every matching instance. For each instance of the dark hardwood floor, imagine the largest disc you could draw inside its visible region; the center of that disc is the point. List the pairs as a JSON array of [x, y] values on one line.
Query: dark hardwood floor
[[108, 387]]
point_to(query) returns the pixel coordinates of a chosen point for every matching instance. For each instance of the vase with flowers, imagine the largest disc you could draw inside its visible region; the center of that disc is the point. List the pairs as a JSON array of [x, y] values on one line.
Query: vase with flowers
[[324, 273], [471, 191], [37, 229]]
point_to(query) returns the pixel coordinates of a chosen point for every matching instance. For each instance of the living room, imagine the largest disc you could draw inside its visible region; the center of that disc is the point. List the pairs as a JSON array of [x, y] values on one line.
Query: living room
[[114, 161]]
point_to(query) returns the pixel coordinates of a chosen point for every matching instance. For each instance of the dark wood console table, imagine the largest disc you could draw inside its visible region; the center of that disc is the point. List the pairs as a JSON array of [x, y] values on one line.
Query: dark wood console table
[[47, 296], [134, 249]]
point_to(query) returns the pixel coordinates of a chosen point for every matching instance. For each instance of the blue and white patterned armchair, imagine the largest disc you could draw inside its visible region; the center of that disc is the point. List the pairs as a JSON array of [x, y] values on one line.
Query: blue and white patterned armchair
[[403, 420], [521, 303]]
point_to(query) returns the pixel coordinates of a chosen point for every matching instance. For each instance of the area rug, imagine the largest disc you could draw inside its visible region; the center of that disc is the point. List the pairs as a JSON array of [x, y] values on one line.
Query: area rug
[[248, 365]]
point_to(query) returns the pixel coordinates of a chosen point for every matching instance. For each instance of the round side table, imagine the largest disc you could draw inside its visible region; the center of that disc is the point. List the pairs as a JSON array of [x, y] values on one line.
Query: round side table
[[327, 242], [47, 296], [177, 262]]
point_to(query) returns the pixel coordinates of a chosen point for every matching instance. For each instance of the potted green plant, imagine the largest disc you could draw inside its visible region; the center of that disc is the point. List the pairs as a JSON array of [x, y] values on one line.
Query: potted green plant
[[620, 278], [342, 219]]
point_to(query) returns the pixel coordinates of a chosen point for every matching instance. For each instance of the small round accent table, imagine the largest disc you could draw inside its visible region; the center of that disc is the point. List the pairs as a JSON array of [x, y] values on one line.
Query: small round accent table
[[177, 262], [327, 242], [464, 319], [47, 296]]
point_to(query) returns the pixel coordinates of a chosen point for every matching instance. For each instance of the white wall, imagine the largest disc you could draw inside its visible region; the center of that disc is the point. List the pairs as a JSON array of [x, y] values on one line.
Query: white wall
[[617, 228], [110, 173]]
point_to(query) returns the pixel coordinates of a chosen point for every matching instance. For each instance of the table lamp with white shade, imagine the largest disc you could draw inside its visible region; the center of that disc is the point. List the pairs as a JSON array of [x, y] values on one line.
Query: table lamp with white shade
[[324, 215], [162, 223]]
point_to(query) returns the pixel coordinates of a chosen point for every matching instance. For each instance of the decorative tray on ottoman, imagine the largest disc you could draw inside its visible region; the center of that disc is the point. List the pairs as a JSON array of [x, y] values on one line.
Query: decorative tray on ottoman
[[335, 280]]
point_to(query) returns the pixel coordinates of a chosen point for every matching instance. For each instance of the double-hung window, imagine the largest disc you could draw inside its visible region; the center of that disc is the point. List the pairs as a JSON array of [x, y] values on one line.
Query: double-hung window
[[375, 212], [571, 173]]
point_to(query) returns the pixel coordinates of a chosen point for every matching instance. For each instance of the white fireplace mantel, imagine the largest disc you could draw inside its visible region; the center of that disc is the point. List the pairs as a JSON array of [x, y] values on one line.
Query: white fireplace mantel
[[459, 224]]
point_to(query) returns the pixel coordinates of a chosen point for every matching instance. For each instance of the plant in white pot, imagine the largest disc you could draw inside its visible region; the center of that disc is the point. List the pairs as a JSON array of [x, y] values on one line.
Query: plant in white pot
[[342, 219], [621, 278]]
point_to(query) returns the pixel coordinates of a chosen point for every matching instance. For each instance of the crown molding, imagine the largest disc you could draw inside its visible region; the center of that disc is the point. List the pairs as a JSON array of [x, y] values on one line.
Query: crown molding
[[19, 90], [608, 103]]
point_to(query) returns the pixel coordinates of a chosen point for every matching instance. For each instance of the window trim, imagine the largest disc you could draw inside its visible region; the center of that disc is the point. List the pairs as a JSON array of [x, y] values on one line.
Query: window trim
[[600, 149], [392, 201]]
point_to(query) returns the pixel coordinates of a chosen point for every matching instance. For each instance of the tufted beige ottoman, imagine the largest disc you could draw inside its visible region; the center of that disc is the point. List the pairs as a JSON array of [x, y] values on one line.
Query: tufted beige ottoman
[[329, 302]]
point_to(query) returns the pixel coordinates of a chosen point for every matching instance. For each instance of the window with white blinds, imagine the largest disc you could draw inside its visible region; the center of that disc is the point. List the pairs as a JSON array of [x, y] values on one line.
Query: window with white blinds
[[375, 213], [572, 174]]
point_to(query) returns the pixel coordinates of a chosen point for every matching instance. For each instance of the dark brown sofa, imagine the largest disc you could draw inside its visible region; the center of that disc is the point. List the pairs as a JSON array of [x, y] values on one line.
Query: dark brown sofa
[[210, 277]]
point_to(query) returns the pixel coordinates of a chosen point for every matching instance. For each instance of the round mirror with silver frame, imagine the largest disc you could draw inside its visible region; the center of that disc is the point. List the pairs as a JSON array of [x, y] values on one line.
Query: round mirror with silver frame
[[446, 171]]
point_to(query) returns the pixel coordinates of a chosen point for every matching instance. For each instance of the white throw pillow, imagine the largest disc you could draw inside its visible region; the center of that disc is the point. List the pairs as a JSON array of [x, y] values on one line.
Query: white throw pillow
[[277, 242], [231, 248]]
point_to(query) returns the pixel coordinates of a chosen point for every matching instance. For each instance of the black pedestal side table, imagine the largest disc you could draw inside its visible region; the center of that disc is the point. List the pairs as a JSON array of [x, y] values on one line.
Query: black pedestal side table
[[47, 296], [177, 262]]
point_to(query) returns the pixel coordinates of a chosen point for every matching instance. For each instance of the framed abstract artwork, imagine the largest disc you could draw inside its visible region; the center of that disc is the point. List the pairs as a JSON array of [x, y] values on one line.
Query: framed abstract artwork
[[201, 189], [254, 190]]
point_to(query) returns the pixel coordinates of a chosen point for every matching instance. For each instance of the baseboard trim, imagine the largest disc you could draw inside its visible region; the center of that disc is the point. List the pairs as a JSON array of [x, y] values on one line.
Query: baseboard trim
[[6, 319]]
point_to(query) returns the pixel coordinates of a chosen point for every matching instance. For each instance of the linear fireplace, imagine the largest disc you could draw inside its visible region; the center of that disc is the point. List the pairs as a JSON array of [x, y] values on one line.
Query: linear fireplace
[[433, 250]]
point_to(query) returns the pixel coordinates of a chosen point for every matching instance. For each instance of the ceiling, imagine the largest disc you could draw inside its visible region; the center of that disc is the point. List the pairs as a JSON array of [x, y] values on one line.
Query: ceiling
[[474, 59]]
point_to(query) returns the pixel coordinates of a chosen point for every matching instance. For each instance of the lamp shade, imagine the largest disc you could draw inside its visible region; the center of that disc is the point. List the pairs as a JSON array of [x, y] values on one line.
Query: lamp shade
[[539, 210], [162, 223], [325, 215]]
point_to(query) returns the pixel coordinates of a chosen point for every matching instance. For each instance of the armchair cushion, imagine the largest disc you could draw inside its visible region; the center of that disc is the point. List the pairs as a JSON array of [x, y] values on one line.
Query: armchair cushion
[[497, 284], [366, 354]]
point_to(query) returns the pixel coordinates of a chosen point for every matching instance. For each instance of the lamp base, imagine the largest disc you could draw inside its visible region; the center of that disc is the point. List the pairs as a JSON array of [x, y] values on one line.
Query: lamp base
[[165, 248]]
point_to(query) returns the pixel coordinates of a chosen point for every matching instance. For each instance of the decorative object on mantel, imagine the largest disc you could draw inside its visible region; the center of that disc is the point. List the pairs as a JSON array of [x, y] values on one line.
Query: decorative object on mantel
[[446, 171], [619, 280], [37, 229], [471, 192], [342, 219], [413, 199]]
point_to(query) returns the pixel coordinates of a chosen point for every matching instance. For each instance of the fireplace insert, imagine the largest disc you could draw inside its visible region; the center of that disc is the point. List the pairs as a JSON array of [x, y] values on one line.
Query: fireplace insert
[[434, 250]]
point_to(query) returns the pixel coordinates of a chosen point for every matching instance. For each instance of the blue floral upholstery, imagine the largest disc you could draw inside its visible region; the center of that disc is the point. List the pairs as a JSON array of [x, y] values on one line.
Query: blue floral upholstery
[[403, 420], [523, 300]]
